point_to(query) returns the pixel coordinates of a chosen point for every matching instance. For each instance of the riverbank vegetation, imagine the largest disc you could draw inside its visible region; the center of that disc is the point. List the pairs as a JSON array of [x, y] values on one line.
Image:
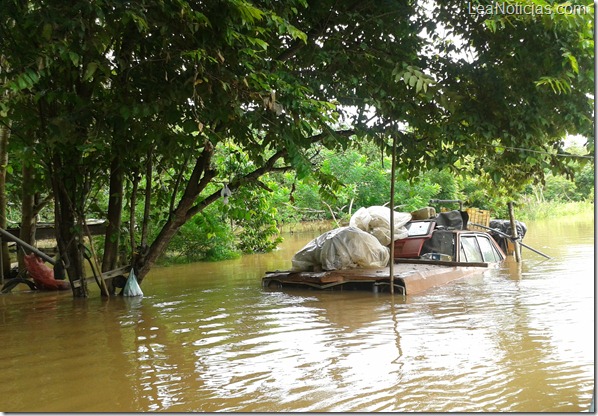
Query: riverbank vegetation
[[252, 221], [296, 205], [197, 128]]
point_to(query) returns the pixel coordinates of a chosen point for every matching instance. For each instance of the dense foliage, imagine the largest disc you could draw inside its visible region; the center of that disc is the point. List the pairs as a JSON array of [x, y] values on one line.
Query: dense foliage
[[133, 103], [365, 178]]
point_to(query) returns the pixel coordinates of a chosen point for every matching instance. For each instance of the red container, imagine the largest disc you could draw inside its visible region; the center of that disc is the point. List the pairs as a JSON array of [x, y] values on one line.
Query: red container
[[419, 232]]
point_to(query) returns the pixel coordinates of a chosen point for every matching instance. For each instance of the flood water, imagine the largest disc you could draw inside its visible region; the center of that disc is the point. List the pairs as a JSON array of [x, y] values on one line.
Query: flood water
[[207, 338]]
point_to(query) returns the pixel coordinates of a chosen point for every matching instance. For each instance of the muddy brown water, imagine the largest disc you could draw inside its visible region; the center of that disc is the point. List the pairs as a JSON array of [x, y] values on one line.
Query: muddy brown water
[[207, 337]]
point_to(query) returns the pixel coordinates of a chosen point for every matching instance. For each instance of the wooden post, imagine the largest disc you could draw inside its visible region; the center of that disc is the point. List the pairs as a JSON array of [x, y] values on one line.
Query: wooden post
[[94, 264], [514, 233], [4, 137], [1, 266], [392, 217]]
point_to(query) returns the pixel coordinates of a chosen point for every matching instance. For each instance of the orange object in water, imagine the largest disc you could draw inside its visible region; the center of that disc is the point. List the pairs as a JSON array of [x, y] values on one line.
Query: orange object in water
[[42, 275]]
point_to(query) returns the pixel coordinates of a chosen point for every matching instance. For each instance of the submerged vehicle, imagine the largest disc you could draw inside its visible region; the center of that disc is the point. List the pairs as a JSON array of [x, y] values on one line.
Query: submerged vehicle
[[434, 252]]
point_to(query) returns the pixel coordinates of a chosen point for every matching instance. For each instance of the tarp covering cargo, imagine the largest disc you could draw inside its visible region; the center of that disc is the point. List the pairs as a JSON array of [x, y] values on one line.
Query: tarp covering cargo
[[376, 221], [505, 227], [341, 248]]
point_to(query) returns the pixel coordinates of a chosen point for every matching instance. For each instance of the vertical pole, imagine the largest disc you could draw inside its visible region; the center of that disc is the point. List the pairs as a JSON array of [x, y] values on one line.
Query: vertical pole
[[101, 282], [4, 137], [1, 266], [517, 249], [392, 217]]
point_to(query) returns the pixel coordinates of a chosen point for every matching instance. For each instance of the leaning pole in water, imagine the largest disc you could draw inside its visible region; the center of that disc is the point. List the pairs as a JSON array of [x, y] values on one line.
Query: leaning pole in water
[[392, 217], [29, 247]]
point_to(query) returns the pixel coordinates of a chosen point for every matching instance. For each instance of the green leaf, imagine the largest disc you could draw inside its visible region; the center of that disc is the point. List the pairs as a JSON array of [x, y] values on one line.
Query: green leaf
[[249, 13], [22, 82], [490, 24], [90, 70], [258, 42], [74, 58], [47, 31], [572, 61], [296, 33]]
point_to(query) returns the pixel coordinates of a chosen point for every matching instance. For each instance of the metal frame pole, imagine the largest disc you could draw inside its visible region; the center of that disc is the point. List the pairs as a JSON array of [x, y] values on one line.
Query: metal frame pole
[[392, 216]]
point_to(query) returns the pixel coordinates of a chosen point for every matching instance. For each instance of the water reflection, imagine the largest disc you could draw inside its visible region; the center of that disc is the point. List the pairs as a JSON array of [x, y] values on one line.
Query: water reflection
[[207, 337]]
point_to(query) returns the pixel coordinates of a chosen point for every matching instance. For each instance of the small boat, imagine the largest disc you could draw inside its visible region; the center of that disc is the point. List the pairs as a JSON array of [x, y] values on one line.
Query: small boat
[[432, 254]]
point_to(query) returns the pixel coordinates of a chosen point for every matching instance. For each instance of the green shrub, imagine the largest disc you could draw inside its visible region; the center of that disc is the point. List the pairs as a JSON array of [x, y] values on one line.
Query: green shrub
[[253, 219], [206, 237]]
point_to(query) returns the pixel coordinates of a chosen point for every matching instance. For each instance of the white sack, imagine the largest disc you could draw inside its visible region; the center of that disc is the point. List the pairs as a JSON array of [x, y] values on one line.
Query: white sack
[[309, 256], [341, 248], [376, 221], [361, 219]]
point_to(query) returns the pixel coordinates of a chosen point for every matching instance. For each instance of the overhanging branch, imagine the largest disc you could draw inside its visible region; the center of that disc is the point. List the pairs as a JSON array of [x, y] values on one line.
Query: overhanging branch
[[236, 183], [253, 176]]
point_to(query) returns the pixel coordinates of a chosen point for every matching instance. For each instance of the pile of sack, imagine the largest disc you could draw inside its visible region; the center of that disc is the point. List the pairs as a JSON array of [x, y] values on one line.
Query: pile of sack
[[364, 243]]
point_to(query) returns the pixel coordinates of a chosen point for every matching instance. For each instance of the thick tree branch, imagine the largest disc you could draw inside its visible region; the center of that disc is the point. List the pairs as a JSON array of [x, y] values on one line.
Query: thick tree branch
[[40, 204], [269, 166], [329, 132], [200, 177], [178, 181], [237, 182]]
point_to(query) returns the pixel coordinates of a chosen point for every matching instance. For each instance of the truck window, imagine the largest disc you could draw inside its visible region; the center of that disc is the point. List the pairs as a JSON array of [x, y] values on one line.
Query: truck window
[[470, 249], [441, 242], [488, 252]]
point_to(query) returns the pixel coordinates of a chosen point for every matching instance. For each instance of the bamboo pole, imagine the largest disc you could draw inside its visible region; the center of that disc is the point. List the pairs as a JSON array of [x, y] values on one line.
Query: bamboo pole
[[95, 264], [517, 249], [392, 216]]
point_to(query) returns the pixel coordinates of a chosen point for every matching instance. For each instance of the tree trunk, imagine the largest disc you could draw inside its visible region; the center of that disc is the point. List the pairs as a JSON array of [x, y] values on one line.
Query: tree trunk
[[111, 243], [69, 235], [4, 135], [132, 214], [140, 252], [148, 200], [200, 178], [28, 213], [188, 205]]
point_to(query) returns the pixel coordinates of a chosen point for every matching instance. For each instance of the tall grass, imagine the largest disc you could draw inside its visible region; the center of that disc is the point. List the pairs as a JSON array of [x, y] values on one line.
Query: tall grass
[[530, 210]]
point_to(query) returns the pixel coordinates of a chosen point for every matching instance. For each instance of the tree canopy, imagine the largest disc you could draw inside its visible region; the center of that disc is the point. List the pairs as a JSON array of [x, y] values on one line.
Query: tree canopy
[[99, 95]]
